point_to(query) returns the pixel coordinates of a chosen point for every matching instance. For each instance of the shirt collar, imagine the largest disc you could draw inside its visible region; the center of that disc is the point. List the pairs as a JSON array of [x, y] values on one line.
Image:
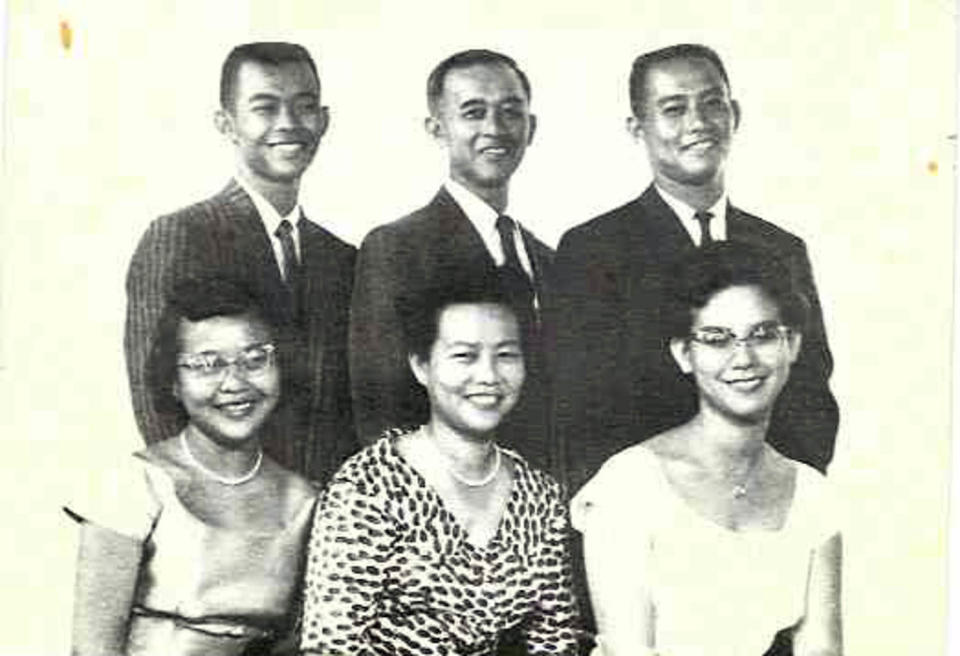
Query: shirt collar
[[482, 216], [718, 224], [268, 213]]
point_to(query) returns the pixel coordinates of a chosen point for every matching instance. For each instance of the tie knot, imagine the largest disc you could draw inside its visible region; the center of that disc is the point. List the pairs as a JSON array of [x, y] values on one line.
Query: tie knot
[[285, 229], [703, 218], [505, 225]]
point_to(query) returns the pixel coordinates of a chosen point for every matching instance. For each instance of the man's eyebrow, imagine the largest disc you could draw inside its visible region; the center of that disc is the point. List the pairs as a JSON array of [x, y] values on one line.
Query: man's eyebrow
[[264, 96], [478, 102], [260, 97], [669, 99]]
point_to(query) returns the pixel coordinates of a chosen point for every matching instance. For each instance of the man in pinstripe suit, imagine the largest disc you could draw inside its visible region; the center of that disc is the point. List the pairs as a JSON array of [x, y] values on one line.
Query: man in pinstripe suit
[[254, 231]]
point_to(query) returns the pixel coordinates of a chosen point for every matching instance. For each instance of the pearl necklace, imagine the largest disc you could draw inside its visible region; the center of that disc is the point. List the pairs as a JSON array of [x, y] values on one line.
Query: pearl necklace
[[225, 480], [497, 461]]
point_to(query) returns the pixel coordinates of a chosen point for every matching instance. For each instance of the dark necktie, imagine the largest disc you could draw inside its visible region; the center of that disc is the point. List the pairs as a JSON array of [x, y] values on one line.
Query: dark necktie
[[516, 281], [703, 218], [291, 266]]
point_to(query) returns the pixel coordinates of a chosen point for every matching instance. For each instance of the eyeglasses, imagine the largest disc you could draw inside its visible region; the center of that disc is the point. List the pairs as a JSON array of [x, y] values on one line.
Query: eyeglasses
[[763, 338], [213, 364]]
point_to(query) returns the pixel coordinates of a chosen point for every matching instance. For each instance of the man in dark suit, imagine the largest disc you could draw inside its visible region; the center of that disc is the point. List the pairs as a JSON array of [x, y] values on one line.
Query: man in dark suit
[[255, 232], [616, 383], [479, 114]]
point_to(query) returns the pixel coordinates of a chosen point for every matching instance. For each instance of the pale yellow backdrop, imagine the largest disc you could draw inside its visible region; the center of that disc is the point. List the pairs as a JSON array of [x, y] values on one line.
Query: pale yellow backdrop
[[846, 140]]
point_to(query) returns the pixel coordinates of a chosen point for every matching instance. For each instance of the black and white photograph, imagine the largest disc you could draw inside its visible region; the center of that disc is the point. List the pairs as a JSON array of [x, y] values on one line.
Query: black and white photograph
[[478, 328]]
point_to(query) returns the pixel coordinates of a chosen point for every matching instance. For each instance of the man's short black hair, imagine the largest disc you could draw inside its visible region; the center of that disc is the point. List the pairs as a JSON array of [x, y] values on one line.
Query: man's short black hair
[[643, 64], [465, 59], [263, 52]]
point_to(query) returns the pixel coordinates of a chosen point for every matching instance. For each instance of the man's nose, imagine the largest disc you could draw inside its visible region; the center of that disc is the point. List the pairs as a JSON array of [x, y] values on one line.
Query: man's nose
[[287, 117], [494, 122], [696, 117]]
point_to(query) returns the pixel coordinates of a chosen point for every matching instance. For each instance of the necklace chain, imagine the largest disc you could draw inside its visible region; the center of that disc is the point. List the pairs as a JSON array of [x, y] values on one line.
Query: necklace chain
[[740, 489], [225, 480]]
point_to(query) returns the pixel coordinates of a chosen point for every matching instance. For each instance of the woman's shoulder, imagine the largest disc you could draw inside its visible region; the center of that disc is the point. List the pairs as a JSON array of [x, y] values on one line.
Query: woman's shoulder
[[533, 478], [376, 467], [625, 477], [817, 508]]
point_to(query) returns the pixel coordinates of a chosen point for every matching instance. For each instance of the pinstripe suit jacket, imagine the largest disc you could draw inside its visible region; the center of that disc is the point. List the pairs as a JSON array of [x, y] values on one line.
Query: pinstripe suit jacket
[[312, 431]]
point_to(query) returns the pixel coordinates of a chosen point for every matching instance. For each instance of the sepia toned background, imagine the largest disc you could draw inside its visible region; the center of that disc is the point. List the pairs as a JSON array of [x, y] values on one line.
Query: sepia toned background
[[846, 139]]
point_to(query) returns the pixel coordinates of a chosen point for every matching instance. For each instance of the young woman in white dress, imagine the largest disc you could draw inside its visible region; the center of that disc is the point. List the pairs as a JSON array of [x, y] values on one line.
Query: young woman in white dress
[[704, 540]]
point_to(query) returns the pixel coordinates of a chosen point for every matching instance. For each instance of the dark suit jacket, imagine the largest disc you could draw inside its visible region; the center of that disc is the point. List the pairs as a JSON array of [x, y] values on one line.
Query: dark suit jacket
[[616, 383], [404, 257], [312, 430]]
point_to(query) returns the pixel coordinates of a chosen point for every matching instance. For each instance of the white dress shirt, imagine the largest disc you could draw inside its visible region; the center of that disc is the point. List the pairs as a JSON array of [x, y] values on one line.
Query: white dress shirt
[[718, 224], [484, 220], [271, 221]]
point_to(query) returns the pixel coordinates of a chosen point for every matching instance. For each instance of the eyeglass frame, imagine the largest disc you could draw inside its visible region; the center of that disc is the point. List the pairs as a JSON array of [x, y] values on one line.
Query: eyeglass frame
[[239, 362], [732, 340]]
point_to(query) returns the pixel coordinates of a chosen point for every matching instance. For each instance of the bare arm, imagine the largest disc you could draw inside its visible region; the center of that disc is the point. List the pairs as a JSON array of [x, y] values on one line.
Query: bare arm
[[107, 568], [624, 613], [820, 633]]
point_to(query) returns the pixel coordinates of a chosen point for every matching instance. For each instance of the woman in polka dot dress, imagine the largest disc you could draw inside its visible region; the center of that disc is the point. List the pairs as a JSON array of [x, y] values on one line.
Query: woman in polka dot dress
[[435, 540]]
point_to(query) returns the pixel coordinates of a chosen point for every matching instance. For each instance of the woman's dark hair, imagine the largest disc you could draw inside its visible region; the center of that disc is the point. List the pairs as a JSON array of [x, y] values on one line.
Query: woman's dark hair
[[723, 264], [420, 310], [195, 299]]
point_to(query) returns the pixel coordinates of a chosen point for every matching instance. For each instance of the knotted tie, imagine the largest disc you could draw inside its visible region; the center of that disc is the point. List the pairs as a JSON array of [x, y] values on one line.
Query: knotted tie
[[515, 279], [703, 218], [291, 265]]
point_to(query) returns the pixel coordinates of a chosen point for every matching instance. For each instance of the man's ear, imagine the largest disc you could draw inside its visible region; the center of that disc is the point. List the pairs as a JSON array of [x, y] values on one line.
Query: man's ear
[[533, 128], [175, 390], [736, 113], [224, 124], [680, 350], [324, 121], [634, 127], [433, 127]]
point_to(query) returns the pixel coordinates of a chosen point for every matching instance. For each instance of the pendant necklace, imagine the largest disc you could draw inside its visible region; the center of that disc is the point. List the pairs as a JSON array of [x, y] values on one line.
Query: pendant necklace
[[740, 489]]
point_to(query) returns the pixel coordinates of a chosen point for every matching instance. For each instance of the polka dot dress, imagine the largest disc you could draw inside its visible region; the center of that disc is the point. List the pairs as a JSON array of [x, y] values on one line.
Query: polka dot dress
[[390, 570]]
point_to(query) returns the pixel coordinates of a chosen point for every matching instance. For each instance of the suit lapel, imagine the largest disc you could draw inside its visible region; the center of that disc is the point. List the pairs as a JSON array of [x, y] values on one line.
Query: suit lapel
[[245, 241], [460, 239], [663, 231]]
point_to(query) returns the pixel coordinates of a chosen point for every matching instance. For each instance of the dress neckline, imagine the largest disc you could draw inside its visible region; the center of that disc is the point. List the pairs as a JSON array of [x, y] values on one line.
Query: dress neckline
[[167, 488], [460, 530], [663, 479]]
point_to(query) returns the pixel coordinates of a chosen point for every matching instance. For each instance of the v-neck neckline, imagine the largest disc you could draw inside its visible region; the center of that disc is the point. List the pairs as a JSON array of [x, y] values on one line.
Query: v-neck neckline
[[460, 529]]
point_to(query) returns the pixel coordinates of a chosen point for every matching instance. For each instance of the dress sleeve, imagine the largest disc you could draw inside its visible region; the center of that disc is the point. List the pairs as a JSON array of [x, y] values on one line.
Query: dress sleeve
[[351, 539], [553, 628], [120, 498], [822, 510]]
